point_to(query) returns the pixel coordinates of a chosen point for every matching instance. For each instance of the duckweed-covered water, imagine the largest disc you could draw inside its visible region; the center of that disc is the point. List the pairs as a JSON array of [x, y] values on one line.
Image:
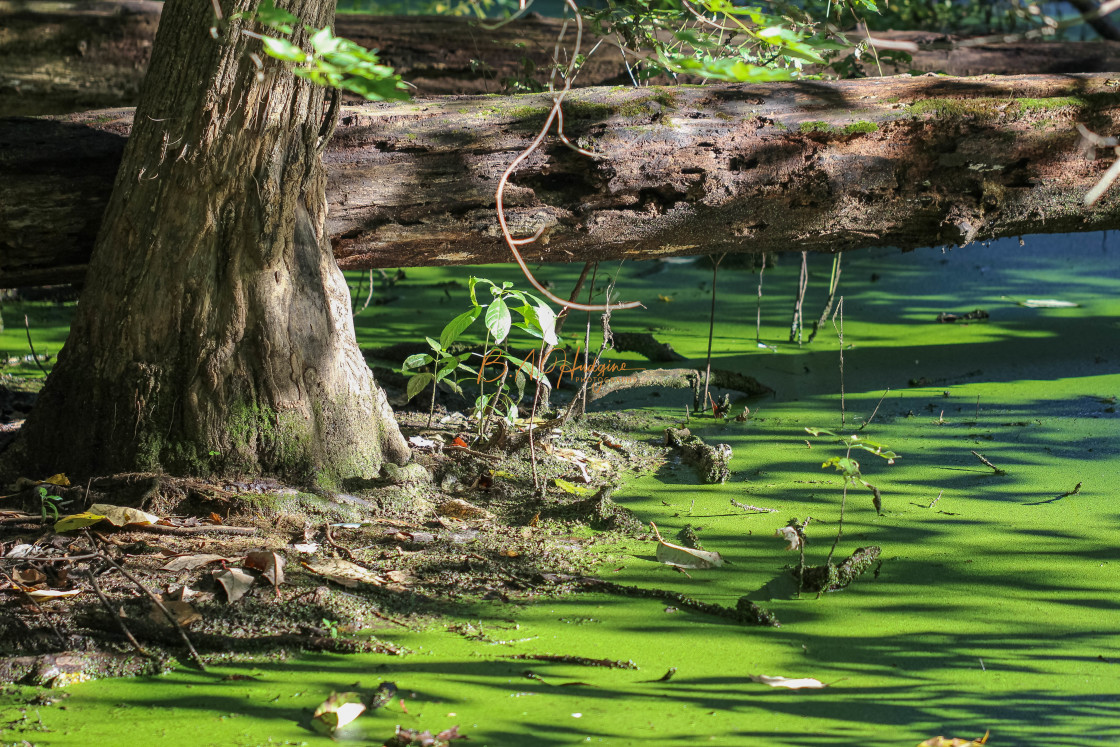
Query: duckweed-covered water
[[995, 607]]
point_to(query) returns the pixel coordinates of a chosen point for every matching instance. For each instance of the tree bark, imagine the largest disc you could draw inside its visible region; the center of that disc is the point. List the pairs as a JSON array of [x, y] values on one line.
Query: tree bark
[[904, 162], [55, 61], [215, 332]]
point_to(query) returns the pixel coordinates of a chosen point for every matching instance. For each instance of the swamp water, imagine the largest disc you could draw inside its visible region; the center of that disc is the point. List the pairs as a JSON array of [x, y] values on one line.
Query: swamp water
[[996, 606]]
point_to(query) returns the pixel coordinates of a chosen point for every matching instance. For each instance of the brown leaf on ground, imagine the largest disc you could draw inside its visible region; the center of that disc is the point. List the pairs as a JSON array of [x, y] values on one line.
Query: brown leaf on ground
[[184, 613], [190, 562], [270, 564], [235, 581]]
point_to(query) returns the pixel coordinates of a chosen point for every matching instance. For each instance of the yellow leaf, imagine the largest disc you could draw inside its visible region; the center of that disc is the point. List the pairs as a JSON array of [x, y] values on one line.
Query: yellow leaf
[[59, 479], [43, 594], [77, 521], [120, 516]]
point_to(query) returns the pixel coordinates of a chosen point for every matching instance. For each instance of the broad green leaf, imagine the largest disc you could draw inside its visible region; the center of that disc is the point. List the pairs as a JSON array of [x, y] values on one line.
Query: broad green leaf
[[530, 369], [435, 345], [547, 318], [498, 320], [419, 360], [324, 41], [457, 325], [282, 49], [446, 369], [417, 383], [276, 18]]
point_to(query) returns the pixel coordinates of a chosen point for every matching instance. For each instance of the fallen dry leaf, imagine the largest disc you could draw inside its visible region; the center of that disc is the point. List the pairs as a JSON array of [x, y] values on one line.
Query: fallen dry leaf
[[343, 572], [790, 535], [337, 711], [803, 683], [457, 508], [190, 562], [684, 557], [269, 564], [185, 615], [120, 516], [235, 581]]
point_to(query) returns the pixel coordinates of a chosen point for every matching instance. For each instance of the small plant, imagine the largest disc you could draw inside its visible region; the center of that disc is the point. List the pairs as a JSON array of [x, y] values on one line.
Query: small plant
[[49, 504], [331, 626], [537, 319], [850, 471]]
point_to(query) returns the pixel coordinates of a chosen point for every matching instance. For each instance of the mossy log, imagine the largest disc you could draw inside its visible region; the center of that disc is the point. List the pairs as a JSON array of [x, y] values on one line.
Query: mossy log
[[829, 577], [781, 167], [712, 462], [57, 58]]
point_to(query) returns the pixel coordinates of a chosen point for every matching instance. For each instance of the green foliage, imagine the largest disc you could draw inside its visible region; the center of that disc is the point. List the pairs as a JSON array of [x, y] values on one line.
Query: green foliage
[[333, 61], [849, 468], [534, 317], [49, 504], [719, 40]]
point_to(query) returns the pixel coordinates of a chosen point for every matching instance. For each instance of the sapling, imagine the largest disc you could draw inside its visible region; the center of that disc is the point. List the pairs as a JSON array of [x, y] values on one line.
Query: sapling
[[849, 470], [537, 319]]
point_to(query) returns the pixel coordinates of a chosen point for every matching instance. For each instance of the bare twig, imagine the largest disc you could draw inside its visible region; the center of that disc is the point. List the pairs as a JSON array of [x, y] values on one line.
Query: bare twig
[[156, 601], [711, 325], [330, 541], [38, 607], [868, 421], [840, 335], [798, 323], [833, 284], [749, 507], [368, 297], [556, 115], [116, 616], [758, 308], [34, 356], [988, 464]]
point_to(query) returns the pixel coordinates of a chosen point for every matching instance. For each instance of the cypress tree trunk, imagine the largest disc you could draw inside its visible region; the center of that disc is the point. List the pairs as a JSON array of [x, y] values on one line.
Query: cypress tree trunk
[[214, 333]]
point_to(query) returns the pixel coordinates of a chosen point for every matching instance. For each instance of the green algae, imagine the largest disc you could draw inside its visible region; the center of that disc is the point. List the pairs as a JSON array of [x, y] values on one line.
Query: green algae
[[994, 607]]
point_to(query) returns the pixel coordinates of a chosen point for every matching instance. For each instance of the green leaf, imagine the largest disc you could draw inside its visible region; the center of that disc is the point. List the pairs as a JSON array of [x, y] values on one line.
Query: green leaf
[[419, 360], [435, 345], [446, 369], [498, 320], [283, 50], [276, 18], [572, 488], [324, 41], [547, 318], [457, 325], [530, 369], [471, 283], [417, 383]]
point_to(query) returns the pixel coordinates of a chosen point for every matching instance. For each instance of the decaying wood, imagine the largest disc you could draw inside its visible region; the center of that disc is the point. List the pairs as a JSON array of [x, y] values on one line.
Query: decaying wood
[[57, 58], [780, 167]]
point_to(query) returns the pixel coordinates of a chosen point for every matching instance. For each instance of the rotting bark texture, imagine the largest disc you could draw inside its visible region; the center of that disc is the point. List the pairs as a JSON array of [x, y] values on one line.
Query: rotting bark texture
[[55, 60], [215, 332], [906, 162]]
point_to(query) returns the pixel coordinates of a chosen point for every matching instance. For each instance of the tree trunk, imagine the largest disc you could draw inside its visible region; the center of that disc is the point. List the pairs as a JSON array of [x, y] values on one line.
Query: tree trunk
[[215, 332], [91, 57], [904, 162]]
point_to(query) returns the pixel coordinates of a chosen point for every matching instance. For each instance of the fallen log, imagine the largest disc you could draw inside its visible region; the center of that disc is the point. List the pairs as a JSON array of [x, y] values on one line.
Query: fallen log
[[783, 167], [57, 58]]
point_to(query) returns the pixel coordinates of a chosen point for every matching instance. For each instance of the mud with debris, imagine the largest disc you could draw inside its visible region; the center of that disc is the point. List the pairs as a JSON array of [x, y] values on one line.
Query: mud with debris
[[250, 568]]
